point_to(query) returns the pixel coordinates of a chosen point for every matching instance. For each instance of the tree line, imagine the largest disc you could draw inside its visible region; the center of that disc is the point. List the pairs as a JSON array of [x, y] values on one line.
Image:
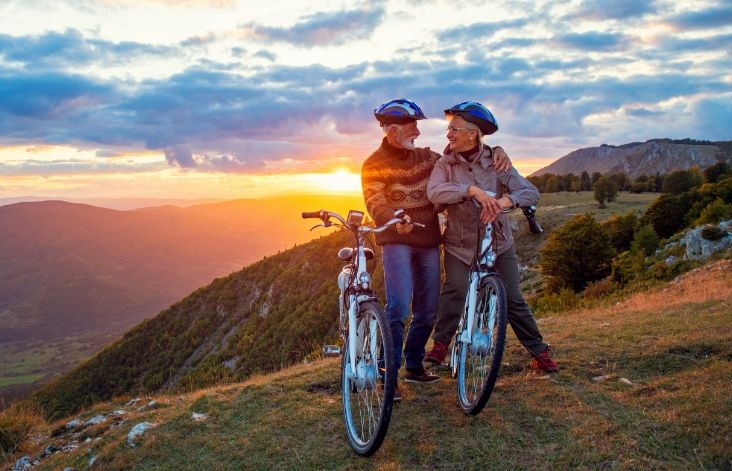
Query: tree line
[[606, 187]]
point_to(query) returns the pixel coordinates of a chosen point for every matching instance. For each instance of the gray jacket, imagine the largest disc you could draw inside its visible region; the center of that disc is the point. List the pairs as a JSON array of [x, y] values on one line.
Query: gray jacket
[[448, 185]]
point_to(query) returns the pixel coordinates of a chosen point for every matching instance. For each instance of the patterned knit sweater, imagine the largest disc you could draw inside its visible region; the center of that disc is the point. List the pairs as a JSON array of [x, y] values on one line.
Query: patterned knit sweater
[[393, 179]]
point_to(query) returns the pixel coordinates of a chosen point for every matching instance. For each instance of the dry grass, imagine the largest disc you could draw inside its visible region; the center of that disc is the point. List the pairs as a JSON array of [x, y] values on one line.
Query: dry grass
[[17, 423]]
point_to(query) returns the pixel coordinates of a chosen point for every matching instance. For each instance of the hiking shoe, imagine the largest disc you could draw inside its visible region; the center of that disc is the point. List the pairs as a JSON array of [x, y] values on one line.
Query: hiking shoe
[[543, 363], [420, 376], [437, 355]]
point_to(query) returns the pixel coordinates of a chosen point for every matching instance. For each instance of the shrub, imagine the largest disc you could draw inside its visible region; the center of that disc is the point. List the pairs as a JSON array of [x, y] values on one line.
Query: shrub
[[575, 254], [712, 233], [563, 300], [714, 212], [645, 241], [717, 172], [627, 266], [620, 229], [599, 289], [661, 271], [681, 181], [667, 214]]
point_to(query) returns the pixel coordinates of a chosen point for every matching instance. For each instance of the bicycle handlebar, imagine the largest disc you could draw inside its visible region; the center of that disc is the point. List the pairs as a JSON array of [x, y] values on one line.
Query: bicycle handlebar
[[312, 214], [324, 215]]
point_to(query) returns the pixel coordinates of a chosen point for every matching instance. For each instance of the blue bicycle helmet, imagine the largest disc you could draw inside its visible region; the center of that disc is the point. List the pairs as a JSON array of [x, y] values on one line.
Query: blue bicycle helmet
[[475, 113], [399, 111]]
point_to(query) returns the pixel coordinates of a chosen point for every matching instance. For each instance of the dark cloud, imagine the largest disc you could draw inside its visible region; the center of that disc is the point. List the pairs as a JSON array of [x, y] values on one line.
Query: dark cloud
[[672, 45], [179, 156], [478, 32], [71, 48], [213, 116], [642, 112], [713, 117], [592, 41], [703, 19], [266, 55], [43, 96], [613, 9], [322, 28]]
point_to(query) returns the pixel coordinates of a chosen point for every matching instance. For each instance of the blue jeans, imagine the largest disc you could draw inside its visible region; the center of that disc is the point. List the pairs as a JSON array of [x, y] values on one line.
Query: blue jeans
[[411, 277]]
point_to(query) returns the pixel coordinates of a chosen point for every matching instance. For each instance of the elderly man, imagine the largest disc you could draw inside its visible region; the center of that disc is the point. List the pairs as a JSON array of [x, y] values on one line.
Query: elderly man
[[395, 177]]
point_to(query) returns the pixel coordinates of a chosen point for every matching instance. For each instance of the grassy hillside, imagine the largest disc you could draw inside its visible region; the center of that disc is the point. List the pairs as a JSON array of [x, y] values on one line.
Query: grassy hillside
[[264, 317], [645, 383]]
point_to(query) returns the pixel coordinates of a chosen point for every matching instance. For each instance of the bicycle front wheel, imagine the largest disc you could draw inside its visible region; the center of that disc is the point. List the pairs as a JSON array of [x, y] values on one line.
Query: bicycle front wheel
[[480, 359], [368, 392]]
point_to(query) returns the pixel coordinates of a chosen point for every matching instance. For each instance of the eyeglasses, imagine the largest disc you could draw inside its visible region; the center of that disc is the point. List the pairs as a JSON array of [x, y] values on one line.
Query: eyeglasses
[[454, 129]]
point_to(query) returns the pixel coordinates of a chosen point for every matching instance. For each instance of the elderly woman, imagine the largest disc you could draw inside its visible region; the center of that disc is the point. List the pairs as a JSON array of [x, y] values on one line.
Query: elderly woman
[[466, 171]]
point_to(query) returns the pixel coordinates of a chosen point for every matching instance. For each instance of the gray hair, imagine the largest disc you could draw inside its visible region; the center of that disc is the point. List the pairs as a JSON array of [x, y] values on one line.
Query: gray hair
[[474, 127], [388, 127]]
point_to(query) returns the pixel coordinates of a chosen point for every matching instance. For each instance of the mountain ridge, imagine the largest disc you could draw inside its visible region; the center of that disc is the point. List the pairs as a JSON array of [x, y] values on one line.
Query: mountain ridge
[[641, 158]]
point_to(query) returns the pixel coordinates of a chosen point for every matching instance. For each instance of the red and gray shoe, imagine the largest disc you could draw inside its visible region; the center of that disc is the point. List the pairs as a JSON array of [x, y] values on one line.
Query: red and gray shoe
[[437, 355], [543, 363]]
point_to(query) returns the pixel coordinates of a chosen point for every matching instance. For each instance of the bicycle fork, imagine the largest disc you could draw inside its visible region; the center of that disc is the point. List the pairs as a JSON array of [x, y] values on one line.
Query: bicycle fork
[[363, 367]]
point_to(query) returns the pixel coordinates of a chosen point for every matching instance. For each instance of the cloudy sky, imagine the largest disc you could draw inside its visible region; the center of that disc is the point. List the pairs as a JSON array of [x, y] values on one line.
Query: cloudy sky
[[236, 98]]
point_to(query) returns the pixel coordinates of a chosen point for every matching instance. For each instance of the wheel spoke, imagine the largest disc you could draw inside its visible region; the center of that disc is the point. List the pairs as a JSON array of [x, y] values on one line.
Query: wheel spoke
[[364, 401], [479, 360]]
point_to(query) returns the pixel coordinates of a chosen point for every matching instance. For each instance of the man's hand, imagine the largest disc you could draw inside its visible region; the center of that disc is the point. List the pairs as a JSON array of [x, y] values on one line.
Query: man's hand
[[405, 228], [501, 162], [490, 207]]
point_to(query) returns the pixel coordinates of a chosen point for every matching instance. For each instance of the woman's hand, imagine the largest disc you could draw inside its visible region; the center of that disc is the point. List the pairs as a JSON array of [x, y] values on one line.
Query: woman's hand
[[490, 206]]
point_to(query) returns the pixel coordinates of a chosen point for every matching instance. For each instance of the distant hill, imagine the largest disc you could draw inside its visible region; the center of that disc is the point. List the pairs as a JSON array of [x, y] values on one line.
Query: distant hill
[[639, 158], [264, 317], [70, 270]]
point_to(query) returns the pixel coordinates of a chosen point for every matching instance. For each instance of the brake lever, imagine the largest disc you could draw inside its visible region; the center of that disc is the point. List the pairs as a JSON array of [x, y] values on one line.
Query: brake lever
[[317, 225]]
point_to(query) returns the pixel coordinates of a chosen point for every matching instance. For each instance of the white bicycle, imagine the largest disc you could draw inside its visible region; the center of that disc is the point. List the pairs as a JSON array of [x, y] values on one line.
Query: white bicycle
[[368, 371], [477, 350]]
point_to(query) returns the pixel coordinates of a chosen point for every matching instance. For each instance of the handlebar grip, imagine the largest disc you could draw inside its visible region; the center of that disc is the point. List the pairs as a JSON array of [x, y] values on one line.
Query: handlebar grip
[[312, 214], [534, 226]]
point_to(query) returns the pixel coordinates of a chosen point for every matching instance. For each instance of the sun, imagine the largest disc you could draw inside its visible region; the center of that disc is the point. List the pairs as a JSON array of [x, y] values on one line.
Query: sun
[[340, 180]]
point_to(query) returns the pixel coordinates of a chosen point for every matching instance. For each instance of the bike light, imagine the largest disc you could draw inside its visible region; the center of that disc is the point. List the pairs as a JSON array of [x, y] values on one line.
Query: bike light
[[354, 218], [364, 279]]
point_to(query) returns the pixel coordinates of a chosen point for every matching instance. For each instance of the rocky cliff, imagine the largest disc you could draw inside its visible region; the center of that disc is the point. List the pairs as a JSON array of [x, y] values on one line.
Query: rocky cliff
[[635, 159]]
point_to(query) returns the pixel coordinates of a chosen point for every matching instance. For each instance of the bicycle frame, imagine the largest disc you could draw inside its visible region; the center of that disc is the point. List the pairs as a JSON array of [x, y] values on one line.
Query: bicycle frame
[[359, 291], [480, 268]]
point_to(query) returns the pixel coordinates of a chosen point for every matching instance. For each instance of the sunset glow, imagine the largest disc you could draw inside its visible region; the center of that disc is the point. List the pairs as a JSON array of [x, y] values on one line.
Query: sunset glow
[[249, 99]]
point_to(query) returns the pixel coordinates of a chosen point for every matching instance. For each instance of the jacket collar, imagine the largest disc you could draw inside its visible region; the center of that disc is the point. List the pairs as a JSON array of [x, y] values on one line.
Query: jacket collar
[[485, 158]]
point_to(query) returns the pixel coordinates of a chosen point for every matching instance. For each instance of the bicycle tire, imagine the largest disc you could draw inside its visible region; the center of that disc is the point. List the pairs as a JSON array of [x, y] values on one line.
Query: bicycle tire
[[367, 403], [480, 361]]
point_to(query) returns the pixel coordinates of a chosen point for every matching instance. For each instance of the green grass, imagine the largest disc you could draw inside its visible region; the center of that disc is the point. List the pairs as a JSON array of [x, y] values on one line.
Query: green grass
[[20, 379], [673, 342], [26, 362]]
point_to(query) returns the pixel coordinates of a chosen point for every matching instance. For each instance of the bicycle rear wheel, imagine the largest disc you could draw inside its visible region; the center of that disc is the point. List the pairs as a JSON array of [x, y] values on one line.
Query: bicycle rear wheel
[[368, 394], [480, 359]]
